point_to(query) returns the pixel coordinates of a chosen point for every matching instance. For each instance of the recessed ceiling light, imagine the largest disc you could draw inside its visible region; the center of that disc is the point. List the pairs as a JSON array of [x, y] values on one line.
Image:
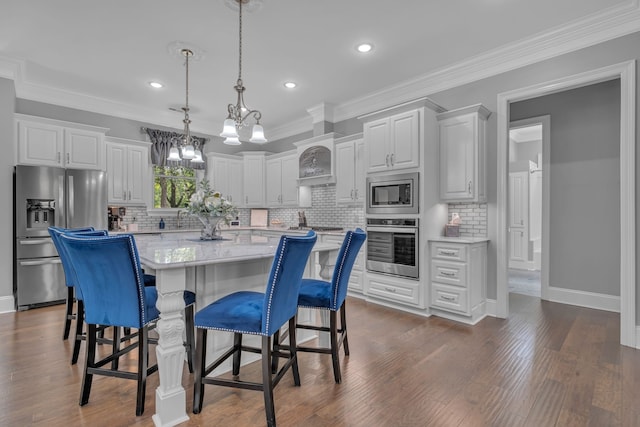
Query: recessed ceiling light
[[290, 85], [156, 85], [364, 47]]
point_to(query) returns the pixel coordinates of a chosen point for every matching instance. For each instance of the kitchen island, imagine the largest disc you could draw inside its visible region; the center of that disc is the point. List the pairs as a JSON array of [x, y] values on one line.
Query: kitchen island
[[212, 269]]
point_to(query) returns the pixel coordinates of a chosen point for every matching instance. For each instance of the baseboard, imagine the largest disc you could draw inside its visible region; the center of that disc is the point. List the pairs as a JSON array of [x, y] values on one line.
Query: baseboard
[[491, 307], [584, 299], [7, 304]]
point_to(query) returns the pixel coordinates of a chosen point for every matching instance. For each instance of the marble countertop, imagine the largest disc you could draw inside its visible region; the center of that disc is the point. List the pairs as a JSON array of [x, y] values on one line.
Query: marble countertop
[[185, 249]]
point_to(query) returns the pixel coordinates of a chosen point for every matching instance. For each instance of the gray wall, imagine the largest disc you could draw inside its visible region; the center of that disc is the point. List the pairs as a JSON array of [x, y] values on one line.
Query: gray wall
[[584, 232], [7, 107]]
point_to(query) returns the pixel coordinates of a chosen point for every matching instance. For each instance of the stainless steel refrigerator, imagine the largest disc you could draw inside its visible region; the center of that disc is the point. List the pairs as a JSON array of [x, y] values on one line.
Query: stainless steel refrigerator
[[49, 196]]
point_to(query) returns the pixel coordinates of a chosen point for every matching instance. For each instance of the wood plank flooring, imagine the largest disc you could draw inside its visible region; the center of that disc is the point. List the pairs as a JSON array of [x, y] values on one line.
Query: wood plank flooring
[[547, 365]]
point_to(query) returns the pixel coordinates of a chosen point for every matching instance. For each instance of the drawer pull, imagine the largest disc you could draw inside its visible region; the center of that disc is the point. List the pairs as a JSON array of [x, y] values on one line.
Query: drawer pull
[[447, 298], [448, 274], [452, 253], [390, 289]]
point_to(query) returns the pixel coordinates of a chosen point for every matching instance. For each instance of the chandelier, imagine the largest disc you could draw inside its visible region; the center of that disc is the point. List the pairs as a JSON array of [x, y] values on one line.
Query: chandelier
[[239, 113], [185, 141]]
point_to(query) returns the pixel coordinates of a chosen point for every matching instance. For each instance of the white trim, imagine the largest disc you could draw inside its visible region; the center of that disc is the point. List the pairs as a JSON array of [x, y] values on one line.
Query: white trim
[[584, 299], [627, 73], [7, 304]]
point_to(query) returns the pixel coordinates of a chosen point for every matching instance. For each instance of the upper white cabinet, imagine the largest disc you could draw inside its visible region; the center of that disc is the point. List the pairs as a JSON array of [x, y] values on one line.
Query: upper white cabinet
[[127, 171], [254, 179], [281, 178], [350, 175], [462, 135], [47, 142], [227, 177], [393, 142]]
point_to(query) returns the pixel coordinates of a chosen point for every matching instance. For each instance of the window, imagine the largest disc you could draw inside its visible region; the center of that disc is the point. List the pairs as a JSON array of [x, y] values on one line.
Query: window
[[173, 186]]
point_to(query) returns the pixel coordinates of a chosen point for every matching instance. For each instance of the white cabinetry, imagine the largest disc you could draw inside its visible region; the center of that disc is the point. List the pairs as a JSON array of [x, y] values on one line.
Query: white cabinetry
[[47, 142], [350, 175], [254, 179], [463, 154], [282, 179], [395, 289], [227, 177], [127, 171], [459, 279], [393, 142]]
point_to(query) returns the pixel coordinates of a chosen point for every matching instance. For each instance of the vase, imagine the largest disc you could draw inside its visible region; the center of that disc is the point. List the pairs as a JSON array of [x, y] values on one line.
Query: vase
[[210, 227]]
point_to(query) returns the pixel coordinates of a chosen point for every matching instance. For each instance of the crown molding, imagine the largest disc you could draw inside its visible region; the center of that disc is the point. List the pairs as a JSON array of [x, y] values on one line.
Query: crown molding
[[596, 28]]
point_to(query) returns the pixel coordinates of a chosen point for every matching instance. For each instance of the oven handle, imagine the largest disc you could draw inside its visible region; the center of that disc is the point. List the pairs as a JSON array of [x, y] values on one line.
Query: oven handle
[[395, 230]]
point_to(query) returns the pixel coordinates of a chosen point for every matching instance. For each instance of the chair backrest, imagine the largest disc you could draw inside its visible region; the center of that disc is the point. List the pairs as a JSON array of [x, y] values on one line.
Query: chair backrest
[[283, 287], [351, 245], [55, 233], [107, 271]]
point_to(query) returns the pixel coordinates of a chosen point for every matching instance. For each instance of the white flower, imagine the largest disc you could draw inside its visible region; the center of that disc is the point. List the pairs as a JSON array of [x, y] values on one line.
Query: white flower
[[206, 202]]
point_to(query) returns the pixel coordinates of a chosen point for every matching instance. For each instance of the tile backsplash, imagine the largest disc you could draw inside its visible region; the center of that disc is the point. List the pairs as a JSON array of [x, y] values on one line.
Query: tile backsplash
[[473, 218], [323, 212]]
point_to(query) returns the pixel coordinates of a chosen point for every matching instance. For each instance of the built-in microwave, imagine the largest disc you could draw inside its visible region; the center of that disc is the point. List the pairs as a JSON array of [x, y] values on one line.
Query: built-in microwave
[[393, 194]]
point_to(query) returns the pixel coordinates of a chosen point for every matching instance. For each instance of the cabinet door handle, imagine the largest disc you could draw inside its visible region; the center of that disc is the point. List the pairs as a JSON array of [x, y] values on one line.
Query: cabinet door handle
[[386, 160], [129, 194], [393, 160], [356, 191], [447, 274], [442, 252], [58, 157], [447, 298], [124, 195], [469, 187], [393, 290], [67, 158], [352, 194], [246, 200]]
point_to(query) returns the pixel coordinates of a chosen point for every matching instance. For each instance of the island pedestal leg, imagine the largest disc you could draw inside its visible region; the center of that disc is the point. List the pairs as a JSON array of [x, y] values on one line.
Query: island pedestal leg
[[170, 394]]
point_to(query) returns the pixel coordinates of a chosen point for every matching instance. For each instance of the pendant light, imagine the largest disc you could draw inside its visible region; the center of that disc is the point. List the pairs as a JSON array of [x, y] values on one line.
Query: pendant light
[[239, 113]]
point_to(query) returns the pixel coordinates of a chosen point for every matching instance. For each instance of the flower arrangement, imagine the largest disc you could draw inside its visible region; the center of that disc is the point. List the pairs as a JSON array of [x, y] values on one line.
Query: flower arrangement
[[210, 208]]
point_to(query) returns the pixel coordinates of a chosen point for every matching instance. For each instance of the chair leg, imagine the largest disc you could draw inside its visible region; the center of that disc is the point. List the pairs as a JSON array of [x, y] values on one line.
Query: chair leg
[[201, 358], [87, 378], [276, 347], [78, 336], [68, 313], [237, 356], [115, 346], [143, 353], [293, 351], [335, 355], [267, 382], [191, 340], [343, 325]]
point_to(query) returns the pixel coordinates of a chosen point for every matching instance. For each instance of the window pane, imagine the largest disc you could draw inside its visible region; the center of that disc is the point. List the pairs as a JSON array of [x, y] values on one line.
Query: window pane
[[173, 186]]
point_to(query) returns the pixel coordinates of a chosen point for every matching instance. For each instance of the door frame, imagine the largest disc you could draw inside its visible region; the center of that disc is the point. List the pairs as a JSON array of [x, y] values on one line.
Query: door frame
[[626, 72]]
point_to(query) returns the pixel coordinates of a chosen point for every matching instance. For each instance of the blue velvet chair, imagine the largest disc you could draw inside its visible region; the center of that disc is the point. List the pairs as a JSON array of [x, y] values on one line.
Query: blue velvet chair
[[106, 269], [69, 314], [260, 314], [323, 295]]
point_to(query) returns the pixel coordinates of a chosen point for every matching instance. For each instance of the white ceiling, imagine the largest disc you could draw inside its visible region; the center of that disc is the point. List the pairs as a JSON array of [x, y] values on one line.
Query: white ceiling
[[100, 55]]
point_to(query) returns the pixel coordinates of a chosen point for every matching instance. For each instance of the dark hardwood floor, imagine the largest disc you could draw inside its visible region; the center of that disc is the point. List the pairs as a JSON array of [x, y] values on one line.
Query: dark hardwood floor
[[547, 365]]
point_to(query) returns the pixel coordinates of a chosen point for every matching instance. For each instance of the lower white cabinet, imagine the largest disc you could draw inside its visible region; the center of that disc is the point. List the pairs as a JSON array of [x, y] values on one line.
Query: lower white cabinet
[[397, 290], [458, 278], [356, 280]]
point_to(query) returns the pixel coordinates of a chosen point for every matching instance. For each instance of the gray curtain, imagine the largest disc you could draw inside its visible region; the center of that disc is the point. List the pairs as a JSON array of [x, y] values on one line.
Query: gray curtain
[[161, 142]]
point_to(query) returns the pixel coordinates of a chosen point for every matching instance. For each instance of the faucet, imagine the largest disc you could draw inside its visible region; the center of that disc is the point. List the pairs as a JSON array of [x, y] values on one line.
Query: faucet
[[179, 219]]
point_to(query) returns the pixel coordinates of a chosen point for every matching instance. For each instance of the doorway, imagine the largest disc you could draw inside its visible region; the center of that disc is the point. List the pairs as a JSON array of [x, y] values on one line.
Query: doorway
[[627, 296], [527, 137]]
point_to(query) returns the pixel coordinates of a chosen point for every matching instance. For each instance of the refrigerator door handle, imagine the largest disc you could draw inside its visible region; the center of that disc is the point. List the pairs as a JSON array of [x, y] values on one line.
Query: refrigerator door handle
[[35, 242], [70, 198], [41, 262]]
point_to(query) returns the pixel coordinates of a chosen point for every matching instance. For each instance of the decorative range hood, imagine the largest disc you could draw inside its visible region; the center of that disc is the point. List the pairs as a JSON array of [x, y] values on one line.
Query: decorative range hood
[[316, 159]]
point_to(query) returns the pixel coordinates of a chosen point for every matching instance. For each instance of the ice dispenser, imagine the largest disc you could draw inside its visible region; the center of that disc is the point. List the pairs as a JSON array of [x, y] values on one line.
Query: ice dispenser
[[41, 213]]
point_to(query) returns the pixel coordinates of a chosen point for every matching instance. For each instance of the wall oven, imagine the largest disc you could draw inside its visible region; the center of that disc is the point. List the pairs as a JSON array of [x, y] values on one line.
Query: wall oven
[[392, 246], [393, 194]]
